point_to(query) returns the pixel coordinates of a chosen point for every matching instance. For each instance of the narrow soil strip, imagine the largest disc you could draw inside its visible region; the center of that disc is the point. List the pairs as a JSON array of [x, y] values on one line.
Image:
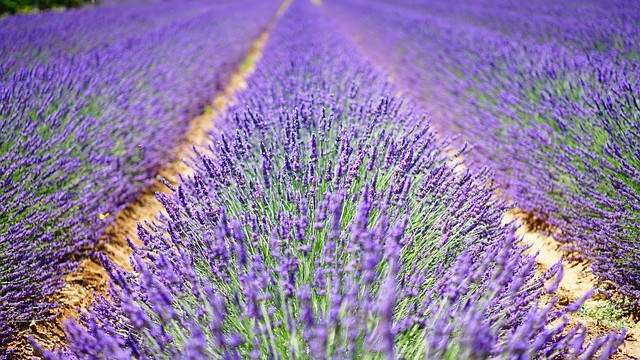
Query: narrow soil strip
[[596, 313], [91, 277]]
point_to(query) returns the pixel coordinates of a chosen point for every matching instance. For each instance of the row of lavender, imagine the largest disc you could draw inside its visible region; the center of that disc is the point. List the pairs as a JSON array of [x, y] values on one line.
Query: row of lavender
[[328, 225], [91, 102], [549, 95]]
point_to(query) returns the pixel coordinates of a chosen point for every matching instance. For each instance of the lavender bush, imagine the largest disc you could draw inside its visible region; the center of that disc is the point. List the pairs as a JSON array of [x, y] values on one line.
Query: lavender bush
[[91, 103], [328, 225], [547, 93]]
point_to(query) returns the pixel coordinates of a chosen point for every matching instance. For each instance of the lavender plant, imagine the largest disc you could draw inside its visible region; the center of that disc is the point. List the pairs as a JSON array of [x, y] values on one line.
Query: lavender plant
[[328, 225], [548, 98], [91, 103]]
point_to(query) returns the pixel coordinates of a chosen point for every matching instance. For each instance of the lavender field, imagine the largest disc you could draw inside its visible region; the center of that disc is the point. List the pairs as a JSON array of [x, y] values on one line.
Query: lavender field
[[352, 189]]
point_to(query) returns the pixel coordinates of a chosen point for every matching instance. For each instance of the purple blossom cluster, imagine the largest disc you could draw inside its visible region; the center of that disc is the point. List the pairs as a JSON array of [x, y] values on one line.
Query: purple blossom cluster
[[548, 94], [329, 224], [91, 103]]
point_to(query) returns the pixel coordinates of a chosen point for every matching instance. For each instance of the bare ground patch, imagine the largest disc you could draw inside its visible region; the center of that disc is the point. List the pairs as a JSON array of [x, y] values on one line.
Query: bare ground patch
[[600, 313]]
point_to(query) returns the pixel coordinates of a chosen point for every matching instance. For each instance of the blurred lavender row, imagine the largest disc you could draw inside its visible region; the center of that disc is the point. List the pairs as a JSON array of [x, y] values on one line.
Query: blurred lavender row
[[91, 103], [328, 225], [548, 93]]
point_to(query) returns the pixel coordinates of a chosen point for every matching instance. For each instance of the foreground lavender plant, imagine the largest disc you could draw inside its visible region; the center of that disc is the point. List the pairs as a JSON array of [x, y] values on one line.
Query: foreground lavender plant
[[91, 103], [546, 92], [328, 226]]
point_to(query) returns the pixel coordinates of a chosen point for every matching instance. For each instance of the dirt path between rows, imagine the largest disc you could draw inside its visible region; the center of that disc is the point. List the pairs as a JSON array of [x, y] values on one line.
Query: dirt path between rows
[[576, 281], [91, 277]]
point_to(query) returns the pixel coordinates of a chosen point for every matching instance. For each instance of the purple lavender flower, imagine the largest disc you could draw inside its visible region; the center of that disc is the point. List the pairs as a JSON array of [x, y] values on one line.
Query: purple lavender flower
[[352, 266]]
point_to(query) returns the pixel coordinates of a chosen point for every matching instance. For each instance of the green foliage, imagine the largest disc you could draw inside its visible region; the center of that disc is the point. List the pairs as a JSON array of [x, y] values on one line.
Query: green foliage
[[607, 313], [14, 6]]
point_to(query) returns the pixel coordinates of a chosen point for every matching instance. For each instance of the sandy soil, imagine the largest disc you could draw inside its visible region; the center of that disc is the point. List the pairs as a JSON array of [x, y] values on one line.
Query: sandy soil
[[577, 280], [91, 277]]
